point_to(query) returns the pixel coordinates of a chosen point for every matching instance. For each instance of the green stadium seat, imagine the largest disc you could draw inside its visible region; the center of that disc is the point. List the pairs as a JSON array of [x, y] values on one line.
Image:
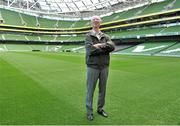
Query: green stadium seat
[[29, 20], [47, 23], [18, 47], [33, 38], [47, 38], [156, 7], [70, 38], [171, 51], [66, 24], [11, 17], [1, 37], [172, 29], [14, 37], [38, 47], [149, 48], [134, 32]]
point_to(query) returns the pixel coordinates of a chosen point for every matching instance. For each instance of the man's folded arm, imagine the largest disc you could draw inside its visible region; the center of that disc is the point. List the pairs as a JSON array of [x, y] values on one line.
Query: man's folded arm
[[108, 47], [100, 48], [92, 49]]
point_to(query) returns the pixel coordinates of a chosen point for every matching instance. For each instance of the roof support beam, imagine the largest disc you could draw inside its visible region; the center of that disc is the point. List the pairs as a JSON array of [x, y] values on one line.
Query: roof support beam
[[9, 5], [33, 4], [58, 7]]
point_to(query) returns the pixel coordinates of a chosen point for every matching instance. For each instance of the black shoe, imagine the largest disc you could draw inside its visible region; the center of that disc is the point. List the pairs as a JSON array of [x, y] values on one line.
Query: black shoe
[[90, 117], [102, 112]]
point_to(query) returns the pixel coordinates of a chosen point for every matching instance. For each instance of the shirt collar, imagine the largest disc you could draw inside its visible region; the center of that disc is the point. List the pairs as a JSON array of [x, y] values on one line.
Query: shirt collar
[[93, 32]]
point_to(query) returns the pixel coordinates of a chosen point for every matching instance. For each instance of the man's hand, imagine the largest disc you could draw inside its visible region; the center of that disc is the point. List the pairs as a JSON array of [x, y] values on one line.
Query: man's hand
[[103, 45], [111, 43], [99, 45]]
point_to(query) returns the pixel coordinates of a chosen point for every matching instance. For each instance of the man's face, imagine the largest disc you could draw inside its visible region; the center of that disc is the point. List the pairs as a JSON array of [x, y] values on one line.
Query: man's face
[[96, 22]]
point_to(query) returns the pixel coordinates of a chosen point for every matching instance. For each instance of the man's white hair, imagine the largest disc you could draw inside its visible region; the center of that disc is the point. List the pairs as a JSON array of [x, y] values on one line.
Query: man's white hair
[[95, 17]]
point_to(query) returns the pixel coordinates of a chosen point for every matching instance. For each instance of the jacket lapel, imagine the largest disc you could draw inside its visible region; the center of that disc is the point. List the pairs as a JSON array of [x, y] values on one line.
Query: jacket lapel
[[93, 34]]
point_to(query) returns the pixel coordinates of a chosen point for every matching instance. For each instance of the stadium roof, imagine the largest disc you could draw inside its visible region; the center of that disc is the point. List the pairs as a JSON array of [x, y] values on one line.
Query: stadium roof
[[75, 5], [73, 8]]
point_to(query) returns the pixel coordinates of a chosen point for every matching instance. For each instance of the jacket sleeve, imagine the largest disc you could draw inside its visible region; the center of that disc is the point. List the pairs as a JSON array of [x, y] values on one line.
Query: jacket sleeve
[[90, 49], [109, 46]]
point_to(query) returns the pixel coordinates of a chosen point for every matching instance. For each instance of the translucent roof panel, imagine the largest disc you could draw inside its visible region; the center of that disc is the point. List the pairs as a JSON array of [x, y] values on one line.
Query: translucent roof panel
[[70, 5], [73, 8]]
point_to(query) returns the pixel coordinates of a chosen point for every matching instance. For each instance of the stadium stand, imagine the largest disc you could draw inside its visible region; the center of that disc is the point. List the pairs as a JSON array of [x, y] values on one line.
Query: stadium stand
[[171, 51], [151, 21], [39, 47], [14, 37], [42, 47], [174, 5], [17, 47], [148, 31], [70, 38], [1, 48], [30, 21], [144, 10], [72, 24], [33, 21], [135, 32], [123, 15], [171, 29], [156, 7], [13, 18], [1, 37], [46, 38], [44, 23], [33, 38], [149, 48]]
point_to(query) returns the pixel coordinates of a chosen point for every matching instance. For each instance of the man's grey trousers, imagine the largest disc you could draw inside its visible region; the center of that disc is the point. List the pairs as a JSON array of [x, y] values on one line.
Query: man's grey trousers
[[93, 75]]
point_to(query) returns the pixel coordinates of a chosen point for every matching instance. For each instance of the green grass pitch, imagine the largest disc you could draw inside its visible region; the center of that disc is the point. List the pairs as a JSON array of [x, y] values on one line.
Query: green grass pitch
[[49, 88]]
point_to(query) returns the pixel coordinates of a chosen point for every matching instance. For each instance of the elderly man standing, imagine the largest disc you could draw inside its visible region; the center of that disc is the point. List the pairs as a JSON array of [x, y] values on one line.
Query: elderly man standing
[[98, 46]]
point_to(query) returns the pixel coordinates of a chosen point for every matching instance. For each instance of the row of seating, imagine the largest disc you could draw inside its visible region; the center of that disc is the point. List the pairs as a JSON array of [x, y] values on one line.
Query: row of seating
[[148, 48], [36, 47], [148, 31], [134, 33], [153, 48], [33, 21], [48, 38], [144, 10]]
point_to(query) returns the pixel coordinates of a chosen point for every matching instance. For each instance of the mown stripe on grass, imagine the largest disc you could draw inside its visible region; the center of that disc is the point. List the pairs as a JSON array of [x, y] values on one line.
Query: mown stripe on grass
[[24, 101]]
